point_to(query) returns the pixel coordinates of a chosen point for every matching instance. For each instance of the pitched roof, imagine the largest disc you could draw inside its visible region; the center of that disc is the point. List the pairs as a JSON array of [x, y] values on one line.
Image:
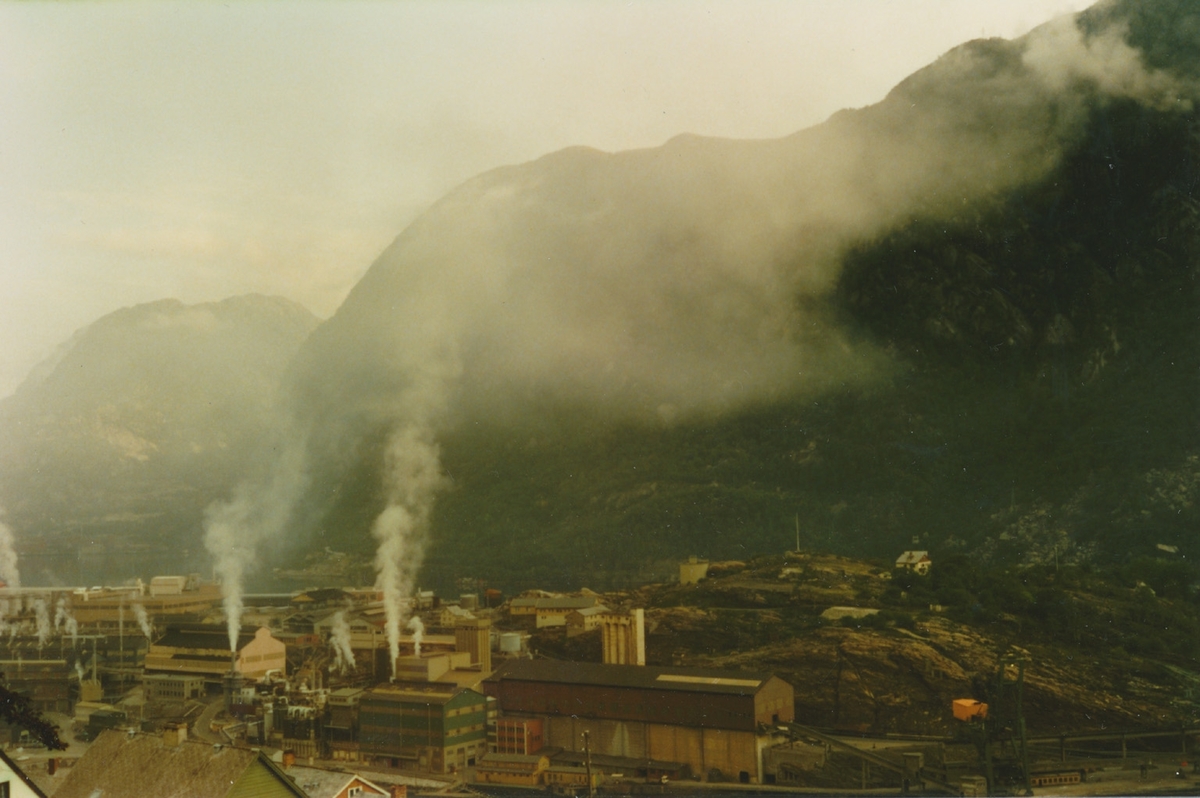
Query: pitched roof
[[690, 680], [423, 694], [321, 594], [20, 774], [201, 636], [566, 603], [119, 765], [321, 783], [912, 557]]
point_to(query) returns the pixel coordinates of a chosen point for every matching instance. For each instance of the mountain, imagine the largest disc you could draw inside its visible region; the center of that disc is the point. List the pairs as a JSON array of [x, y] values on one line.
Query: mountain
[[143, 417], [964, 316]]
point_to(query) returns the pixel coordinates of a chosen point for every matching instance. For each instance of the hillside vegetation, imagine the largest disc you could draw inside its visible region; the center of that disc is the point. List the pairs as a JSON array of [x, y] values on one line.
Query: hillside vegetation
[[1104, 650]]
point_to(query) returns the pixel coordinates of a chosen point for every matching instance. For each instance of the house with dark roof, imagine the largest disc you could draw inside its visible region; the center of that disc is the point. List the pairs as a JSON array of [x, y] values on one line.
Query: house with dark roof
[[704, 719], [121, 765], [321, 598]]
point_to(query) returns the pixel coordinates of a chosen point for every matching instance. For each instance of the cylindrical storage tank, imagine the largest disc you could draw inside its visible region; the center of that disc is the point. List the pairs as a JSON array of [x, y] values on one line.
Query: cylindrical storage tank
[[469, 601], [510, 643]]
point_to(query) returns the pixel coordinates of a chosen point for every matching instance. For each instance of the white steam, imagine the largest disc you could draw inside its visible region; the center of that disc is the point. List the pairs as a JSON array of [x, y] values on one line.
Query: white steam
[[1063, 57], [343, 654], [64, 621], [418, 630], [679, 282], [41, 614], [412, 475], [143, 620], [8, 556], [233, 530]]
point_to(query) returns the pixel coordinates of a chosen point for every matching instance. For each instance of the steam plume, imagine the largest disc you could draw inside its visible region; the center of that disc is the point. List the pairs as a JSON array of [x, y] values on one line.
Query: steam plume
[[418, 630], [139, 612], [343, 654], [79, 671], [42, 616], [234, 529], [679, 282], [414, 475], [8, 556], [65, 621]]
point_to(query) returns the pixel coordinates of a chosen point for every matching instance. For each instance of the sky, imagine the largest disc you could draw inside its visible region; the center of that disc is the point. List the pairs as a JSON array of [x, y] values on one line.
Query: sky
[[204, 150]]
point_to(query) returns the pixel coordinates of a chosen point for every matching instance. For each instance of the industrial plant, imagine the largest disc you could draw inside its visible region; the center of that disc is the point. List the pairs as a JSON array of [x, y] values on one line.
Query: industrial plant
[[554, 691]]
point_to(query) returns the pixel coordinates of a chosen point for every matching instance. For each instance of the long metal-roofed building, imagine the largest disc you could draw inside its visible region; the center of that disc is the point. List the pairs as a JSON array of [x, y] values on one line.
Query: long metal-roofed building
[[710, 720], [203, 650]]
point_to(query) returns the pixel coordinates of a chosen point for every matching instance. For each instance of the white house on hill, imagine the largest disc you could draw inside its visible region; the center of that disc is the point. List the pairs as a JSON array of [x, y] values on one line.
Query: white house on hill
[[916, 561]]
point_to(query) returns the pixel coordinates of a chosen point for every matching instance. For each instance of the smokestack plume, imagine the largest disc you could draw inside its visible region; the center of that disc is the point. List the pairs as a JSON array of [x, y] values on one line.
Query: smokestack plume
[[343, 654], [42, 615], [413, 475], [64, 621], [258, 510], [418, 630], [8, 555], [143, 620]]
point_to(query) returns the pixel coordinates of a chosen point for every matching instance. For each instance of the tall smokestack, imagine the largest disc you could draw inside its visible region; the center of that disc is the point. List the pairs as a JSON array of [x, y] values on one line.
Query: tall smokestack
[[233, 682]]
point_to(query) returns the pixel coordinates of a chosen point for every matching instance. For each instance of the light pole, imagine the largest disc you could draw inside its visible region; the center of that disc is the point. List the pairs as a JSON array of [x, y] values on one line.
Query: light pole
[[587, 762]]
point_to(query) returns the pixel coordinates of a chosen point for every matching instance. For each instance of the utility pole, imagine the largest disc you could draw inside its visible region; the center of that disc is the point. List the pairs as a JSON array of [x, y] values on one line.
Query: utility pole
[[587, 762]]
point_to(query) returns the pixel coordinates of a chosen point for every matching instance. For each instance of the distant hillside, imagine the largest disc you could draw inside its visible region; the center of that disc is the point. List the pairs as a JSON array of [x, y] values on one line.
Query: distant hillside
[[966, 315], [143, 417], [1104, 652]]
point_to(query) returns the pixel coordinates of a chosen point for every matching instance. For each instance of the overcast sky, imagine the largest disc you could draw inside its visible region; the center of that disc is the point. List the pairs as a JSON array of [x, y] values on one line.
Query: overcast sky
[[203, 150]]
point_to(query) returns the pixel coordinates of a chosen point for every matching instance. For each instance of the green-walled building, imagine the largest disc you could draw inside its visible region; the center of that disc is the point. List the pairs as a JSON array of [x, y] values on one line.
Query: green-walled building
[[434, 728]]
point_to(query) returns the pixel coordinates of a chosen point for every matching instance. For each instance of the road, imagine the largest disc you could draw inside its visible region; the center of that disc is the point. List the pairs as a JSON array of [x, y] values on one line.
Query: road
[[201, 729]]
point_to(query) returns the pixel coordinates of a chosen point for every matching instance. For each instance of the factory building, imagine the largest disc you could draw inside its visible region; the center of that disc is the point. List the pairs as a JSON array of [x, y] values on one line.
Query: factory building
[[587, 619], [474, 636], [172, 688], [203, 650], [518, 736], [550, 610], [165, 596], [423, 727], [45, 682], [704, 719], [623, 638], [341, 723]]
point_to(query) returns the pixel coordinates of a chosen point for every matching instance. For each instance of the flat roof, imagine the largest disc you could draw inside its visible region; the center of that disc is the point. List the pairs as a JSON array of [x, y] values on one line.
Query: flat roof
[[692, 680]]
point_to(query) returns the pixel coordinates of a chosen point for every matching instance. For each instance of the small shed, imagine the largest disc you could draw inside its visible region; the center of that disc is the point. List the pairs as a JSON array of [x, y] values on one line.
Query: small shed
[[969, 709], [692, 571]]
